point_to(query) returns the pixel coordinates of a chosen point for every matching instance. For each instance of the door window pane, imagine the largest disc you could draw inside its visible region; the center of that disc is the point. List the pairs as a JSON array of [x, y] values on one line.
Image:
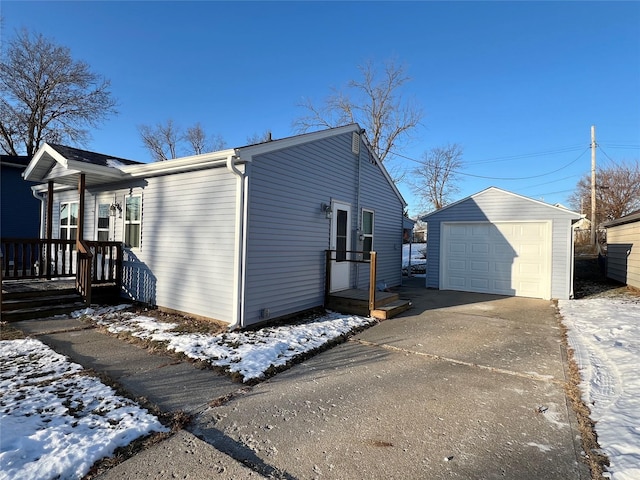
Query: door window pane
[[341, 235]]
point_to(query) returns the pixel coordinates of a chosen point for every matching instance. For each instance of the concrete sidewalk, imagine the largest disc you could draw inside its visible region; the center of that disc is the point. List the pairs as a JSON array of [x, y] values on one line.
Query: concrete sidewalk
[[462, 386]]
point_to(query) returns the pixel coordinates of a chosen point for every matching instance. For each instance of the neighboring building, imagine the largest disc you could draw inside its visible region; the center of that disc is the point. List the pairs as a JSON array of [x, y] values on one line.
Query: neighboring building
[[238, 235], [623, 249], [19, 209], [503, 243]]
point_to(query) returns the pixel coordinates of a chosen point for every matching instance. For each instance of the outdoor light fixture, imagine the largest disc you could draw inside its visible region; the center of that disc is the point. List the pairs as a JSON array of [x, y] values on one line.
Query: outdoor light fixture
[[113, 208], [326, 209]]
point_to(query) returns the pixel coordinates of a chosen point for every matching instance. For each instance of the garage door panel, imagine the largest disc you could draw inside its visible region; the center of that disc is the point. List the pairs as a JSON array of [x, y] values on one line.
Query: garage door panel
[[502, 258]]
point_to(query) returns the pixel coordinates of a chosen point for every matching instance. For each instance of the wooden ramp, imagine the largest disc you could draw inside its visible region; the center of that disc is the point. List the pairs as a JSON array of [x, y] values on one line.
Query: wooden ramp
[[356, 302]]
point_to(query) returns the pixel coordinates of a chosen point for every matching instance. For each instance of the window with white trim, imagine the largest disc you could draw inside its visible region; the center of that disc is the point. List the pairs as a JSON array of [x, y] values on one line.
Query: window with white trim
[[69, 220], [133, 221], [103, 222], [367, 233]]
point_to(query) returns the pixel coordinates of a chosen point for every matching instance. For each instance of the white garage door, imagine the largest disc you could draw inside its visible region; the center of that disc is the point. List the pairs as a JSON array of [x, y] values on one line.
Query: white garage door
[[503, 258]]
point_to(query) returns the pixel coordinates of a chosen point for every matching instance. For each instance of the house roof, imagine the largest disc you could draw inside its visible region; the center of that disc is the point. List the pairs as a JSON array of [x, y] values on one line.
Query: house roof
[[630, 218], [574, 215], [63, 164], [20, 161]]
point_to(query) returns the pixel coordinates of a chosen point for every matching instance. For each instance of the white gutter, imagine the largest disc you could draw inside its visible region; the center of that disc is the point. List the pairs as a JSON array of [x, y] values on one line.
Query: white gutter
[[240, 242], [37, 195], [194, 162]]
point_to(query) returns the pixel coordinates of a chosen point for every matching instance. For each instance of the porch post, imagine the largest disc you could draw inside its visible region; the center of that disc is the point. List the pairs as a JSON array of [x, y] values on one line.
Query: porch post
[[81, 187], [49, 227]]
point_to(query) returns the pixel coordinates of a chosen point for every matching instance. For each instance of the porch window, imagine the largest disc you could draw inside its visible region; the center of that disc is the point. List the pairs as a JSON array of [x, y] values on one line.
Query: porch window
[[103, 222], [367, 233], [68, 220], [132, 221]]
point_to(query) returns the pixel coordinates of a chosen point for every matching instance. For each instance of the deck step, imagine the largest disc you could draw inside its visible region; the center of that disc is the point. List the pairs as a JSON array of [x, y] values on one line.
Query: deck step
[[24, 302], [391, 309], [41, 312]]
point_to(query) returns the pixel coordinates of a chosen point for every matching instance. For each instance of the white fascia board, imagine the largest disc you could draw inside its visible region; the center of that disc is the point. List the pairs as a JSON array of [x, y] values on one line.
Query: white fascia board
[[384, 171], [45, 149], [193, 162]]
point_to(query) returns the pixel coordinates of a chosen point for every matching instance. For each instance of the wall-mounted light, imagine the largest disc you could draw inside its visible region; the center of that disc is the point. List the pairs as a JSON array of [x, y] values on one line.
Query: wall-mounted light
[[326, 209], [113, 208]]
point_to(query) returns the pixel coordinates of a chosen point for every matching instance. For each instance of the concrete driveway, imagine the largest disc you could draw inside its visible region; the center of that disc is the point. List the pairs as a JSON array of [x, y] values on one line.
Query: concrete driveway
[[462, 386]]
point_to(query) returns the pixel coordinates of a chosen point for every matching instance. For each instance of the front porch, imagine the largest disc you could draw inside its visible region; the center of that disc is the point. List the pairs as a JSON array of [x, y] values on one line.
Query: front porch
[[49, 277]]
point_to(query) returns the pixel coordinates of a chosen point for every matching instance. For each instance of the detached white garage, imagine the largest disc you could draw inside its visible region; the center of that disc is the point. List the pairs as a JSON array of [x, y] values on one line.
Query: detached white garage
[[502, 243]]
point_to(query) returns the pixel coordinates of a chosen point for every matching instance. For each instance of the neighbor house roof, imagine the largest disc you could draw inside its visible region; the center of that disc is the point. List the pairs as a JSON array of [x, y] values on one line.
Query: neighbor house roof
[[15, 160], [630, 218]]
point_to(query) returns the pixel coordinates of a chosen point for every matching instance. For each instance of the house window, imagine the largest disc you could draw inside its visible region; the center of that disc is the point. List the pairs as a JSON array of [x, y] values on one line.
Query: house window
[[133, 221], [103, 222], [367, 233], [68, 221]]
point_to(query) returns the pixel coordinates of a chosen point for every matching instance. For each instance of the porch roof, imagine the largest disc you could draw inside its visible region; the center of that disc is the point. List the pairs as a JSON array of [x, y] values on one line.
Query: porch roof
[[63, 165]]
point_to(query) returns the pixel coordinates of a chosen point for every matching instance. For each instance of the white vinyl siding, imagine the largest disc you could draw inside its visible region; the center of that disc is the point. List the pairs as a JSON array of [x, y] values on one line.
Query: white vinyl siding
[[186, 259], [288, 233]]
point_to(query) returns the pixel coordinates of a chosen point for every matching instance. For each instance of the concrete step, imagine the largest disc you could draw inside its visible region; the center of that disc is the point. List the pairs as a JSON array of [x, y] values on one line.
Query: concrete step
[[391, 309]]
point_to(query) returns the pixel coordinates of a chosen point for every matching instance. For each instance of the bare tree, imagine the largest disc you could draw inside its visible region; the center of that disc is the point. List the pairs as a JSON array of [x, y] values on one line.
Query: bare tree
[[47, 96], [617, 192], [167, 140], [435, 179], [161, 140], [259, 138], [375, 103]]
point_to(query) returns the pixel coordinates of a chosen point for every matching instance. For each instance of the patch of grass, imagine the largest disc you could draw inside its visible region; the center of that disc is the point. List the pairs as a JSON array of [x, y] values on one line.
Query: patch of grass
[[8, 332]]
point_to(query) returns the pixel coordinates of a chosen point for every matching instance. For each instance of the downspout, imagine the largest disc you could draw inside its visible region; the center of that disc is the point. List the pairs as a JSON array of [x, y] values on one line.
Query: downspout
[[358, 220], [240, 243], [40, 196]]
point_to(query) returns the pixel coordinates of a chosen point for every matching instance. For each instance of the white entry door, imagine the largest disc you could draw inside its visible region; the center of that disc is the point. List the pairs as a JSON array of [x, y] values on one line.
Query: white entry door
[[341, 243]]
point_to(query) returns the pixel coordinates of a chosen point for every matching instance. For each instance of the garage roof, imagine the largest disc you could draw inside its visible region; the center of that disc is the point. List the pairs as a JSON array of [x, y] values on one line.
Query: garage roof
[[443, 210]]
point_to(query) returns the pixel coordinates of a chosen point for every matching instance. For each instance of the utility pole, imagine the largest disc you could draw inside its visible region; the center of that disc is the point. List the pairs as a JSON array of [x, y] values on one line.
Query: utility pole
[[593, 185]]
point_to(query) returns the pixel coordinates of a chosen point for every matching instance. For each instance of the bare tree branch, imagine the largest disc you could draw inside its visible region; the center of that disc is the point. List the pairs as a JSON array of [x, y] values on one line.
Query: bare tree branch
[[47, 96], [435, 180], [166, 140], [617, 192], [377, 105]]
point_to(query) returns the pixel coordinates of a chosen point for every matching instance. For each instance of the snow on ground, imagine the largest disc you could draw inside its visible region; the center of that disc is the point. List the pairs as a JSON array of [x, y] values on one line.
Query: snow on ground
[[249, 353], [416, 254], [605, 336], [56, 421]]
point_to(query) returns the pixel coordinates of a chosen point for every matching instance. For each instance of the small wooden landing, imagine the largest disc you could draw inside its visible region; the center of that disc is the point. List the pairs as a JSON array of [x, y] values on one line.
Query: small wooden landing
[[356, 302]]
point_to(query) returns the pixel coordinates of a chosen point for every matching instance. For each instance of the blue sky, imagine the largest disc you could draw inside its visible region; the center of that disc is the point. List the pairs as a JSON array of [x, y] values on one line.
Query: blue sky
[[516, 84]]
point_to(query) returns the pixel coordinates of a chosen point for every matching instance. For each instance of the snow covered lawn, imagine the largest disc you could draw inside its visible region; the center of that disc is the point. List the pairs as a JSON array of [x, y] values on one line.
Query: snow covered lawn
[[56, 421], [250, 354], [605, 336]]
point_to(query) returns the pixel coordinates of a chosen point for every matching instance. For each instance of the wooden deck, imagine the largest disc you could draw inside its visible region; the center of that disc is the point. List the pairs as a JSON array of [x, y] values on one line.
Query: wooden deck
[[356, 302]]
